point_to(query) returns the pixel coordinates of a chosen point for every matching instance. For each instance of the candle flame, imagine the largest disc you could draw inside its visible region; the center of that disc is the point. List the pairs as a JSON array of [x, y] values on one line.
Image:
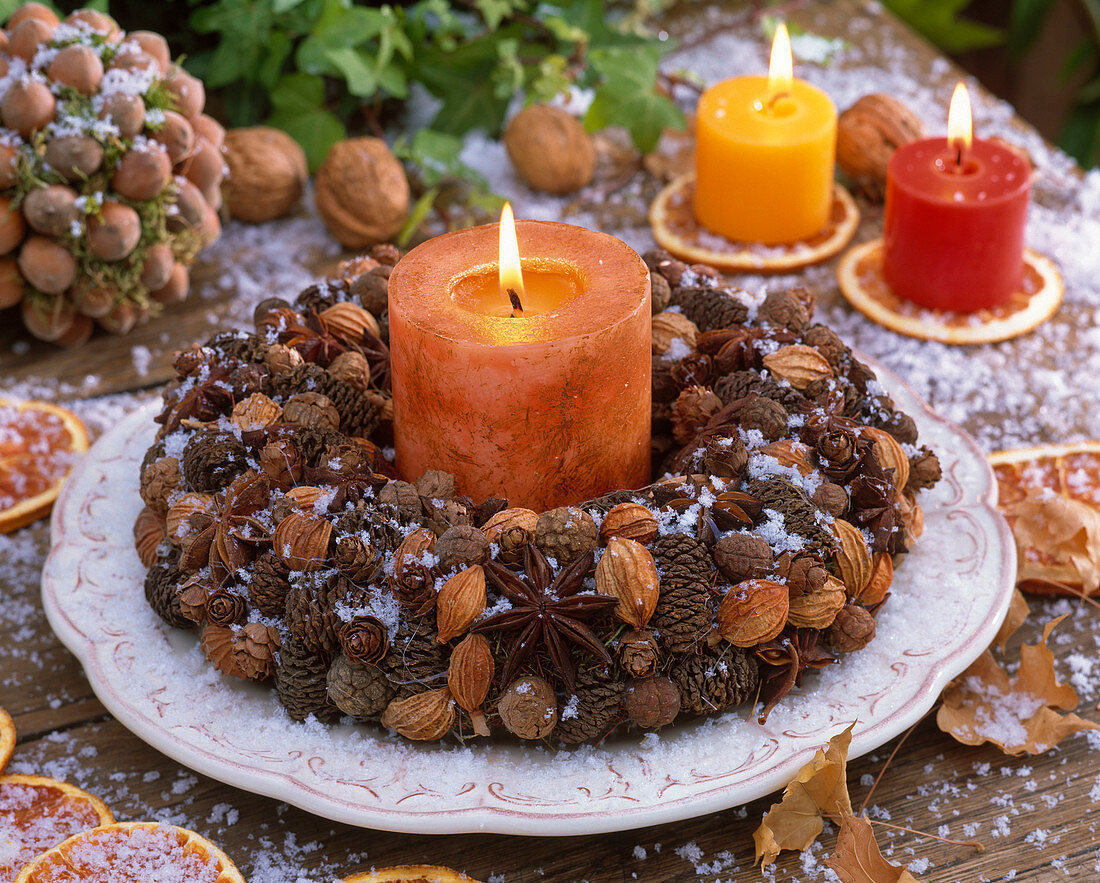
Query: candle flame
[[960, 128], [781, 68], [511, 274]]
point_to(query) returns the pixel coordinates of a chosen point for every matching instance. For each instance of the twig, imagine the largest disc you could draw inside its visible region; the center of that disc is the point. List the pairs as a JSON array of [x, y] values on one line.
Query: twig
[[1073, 590], [980, 847]]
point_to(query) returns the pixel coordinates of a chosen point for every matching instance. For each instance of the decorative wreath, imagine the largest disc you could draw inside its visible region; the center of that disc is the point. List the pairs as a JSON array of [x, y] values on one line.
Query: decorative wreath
[[277, 526]]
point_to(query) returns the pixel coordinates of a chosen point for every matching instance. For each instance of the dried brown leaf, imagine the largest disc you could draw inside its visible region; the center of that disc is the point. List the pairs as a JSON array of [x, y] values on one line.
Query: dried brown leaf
[[820, 789], [1017, 614], [857, 858], [1016, 714], [1067, 532]]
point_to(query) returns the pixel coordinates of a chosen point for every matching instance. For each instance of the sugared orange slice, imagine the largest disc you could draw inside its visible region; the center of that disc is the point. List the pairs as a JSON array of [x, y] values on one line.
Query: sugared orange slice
[[7, 738], [410, 874], [39, 443], [1069, 471], [37, 813], [132, 852]]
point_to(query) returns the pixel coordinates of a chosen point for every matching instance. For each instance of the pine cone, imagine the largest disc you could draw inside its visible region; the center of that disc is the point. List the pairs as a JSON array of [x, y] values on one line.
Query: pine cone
[[359, 413], [738, 384], [791, 309], [314, 442], [683, 613], [322, 295], [799, 513], [212, 460], [596, 711], [825, 341], [415, 659], [362, 691], [310, 615], [162, 584], [269, 584], [254, 650], [924, 471], [241, 347], [715, 679], [301, 378], [710, 308], [301, 683]]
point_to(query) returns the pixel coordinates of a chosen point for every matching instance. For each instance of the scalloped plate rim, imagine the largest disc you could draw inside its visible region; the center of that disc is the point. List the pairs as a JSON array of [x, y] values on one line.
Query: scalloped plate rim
[[499, 819]]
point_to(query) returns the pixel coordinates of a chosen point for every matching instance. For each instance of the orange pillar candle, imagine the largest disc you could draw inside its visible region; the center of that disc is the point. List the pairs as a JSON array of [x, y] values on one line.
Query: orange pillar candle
[[764, 152], [545, 405]]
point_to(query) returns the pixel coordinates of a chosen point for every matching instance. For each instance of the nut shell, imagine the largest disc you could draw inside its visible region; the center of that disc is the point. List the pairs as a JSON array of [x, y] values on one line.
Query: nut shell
[[460, 601], [267, 173], [627, 572], [528, 708], [631, 521], [668, 326], [753, 612], [424, 717], [867, 135], [362, 193]]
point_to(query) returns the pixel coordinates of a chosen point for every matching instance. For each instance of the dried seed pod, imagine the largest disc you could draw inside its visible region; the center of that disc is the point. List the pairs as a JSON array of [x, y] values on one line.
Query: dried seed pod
[[461, 546], [282, 462], [626, 571], [348, 321], [565, 534], [669, 326], [313, 410], [148, 535], [352, 368], [742, 556], [301, 541], [789, 452], [631, 521], [255, 412], [798, 364], [179, 523], [890, 455], [652, 702], [638, 653], [882, 576], [817, 609], [296, 499], [412, 565], [853, 557], [158, 481], [528, 709], [833, 498], [511, 530], [281, 359], [852, 630], [469, 677], [753, 612], [423, 717], [357, 559], [461, 600]]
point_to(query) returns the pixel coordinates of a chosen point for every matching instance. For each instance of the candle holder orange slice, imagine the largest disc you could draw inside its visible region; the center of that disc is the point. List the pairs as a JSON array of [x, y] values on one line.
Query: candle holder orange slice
[[675, 229], [862, 283], [7, 738]]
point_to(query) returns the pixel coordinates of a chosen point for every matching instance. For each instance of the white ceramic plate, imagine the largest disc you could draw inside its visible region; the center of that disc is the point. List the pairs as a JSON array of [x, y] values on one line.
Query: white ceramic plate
[[948, 600]]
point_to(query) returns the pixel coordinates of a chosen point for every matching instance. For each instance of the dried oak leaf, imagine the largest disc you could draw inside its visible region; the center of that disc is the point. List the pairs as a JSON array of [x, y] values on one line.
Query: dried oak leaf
[[1068, 533], [1016, 714], [820, 789], [1017, 614], [857, 858]]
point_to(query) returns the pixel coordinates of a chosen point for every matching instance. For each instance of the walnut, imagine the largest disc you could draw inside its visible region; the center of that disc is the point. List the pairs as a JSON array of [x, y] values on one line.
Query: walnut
[[361, 192], [867, 135], [565, 534], [550, 149], [267, 171]]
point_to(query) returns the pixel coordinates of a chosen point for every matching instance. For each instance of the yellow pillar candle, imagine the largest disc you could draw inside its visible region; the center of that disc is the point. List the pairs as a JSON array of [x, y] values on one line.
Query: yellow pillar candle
[[764, 155], [543, 398]]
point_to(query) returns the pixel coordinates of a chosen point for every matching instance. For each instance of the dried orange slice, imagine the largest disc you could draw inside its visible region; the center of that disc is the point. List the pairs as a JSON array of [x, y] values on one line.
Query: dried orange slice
[[1071, 472], [132, 852], [672, 219], [39, 443], [410, 874], [859, 274], [37, 813], [7, 738]]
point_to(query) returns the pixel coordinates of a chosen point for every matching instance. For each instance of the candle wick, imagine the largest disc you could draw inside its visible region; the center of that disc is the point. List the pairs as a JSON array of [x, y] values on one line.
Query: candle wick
[[776, 97], [517, 305], [959, 156]]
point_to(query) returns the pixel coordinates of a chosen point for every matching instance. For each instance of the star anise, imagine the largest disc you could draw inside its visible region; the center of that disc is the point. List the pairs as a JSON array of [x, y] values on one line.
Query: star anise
[[873, 508], [202, 398], [547, 612], [732, 510], [227, 538], [785, 660]]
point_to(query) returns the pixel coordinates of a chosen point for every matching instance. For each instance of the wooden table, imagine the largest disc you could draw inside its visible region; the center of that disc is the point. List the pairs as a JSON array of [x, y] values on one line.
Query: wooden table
[[1035, 816]]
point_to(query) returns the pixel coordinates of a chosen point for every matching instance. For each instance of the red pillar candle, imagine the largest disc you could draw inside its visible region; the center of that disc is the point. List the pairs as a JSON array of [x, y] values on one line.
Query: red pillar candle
[[955, 218]]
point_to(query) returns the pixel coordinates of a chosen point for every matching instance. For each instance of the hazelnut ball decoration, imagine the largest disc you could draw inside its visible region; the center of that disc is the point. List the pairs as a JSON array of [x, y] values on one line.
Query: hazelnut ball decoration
[[98, 153]]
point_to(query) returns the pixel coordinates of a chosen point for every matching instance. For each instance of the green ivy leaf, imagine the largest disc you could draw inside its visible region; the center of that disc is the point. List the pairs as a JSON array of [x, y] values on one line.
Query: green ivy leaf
[[300, 112], [940, 21], [352, 64], [628, 97]]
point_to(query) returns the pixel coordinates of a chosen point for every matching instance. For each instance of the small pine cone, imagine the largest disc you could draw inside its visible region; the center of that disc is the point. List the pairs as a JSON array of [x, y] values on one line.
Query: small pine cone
[[683, 613], [899, 424], [565, 534], [738, 384], [715, 679], [765, 415], [359, 413], [788, 309], [269, 585], [254, 650], [362, 691], [461, 546], [373, 524], [742, 556], [637, 653], [924, 471], [301, 378], [825, 341], [212, 460], [243, 348], [692, 411], [217, 645], [415, 661], [310, 615], [225, 607], [162, 587], [314, 443], [301, 683], [852, 630], [652, 702], [710, 308], [832, 498], [158, 480], [800, 515], [726, 458], [404, 499], [194, 592], [322, 295], [597, 709], [371, 290], [312, 409]]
